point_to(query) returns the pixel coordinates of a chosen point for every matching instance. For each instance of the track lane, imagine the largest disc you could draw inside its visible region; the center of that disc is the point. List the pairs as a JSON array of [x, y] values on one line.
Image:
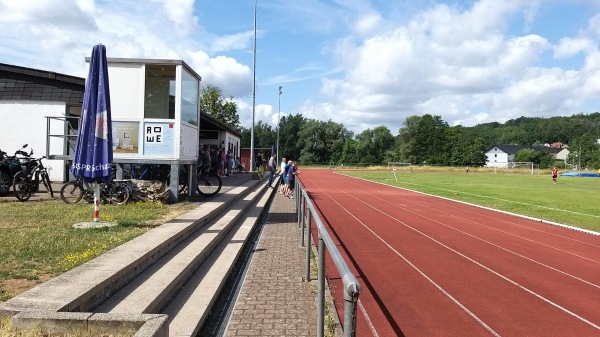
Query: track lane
[[322, 185]]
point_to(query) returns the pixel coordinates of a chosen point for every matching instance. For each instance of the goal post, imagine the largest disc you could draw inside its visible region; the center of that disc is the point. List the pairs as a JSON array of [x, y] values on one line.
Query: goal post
[[399, 166], [525, 165]]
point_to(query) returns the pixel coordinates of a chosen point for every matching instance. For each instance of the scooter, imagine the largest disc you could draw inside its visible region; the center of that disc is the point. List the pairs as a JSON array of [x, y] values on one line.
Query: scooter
[[11, 165]]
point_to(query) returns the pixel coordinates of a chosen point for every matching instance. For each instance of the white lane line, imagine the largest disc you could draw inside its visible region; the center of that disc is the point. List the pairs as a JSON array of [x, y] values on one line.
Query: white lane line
[[500, 247], [369, 323], [479, 206], [460, 305], [495, 229], [469, 259], [506, 200]]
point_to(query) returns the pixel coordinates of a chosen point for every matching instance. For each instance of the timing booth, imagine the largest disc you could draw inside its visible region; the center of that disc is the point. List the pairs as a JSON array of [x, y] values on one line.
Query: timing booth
[[155, 115]]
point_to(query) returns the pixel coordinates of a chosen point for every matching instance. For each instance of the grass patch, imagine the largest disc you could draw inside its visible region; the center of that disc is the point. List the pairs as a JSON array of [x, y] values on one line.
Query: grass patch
[[37, 240], [573, 201]]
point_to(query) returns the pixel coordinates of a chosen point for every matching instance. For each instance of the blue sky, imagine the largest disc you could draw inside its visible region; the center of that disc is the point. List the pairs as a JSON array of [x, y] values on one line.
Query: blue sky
[[360, 63]]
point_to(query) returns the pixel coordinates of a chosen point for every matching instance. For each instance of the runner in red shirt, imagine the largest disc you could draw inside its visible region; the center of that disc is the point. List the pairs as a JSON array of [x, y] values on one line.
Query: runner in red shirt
[[554, 173]]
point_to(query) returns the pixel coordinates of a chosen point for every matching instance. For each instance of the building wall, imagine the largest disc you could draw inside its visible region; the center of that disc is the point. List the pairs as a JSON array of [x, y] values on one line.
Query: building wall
[[497, 158], [24, 122], [562, 155], [126, 91]]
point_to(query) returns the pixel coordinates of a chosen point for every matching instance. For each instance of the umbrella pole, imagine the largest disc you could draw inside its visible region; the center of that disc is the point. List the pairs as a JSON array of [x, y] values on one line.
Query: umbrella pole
[[96, 201]]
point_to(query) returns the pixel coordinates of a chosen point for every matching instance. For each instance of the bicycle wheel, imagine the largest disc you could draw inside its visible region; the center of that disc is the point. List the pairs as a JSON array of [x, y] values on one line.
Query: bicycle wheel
[[118, 194], [47, 184], [71, 192], [209, 184], [21, 186]]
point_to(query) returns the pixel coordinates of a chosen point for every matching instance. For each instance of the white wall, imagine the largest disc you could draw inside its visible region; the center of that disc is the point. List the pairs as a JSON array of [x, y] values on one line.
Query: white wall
[[24, 122], [126, 82], [497, 158], [562, 155]]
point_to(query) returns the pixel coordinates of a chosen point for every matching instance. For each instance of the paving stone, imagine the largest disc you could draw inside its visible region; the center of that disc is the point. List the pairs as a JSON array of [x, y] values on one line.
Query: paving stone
[[274, 301]]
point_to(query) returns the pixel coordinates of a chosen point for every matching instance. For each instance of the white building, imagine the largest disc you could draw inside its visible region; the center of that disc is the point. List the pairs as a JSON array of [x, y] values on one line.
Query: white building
[[27, 97], [155, 112], [501, 155]]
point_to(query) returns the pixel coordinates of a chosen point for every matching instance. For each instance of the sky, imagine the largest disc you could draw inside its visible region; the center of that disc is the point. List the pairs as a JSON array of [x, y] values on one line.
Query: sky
[[360, 63]]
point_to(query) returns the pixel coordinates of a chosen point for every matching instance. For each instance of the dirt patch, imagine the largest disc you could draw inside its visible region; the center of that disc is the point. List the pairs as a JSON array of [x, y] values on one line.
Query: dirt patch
[[13, 287]]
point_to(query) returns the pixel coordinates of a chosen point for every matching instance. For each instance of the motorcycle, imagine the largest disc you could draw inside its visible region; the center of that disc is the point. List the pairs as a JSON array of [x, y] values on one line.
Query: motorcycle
[[10, 166]]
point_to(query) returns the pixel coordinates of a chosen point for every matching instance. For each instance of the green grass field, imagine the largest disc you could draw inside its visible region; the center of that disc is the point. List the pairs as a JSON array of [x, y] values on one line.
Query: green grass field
[[38, 241], [573, 201]]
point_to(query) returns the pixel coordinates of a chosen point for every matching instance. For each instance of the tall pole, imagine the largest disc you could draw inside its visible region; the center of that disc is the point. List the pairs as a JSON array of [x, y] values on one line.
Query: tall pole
[[278, 121], [253, 94]]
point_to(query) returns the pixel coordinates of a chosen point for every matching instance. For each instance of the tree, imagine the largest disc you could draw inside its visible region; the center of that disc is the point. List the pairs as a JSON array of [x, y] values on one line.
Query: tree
[[213, 103], [290, 126], [372, 145], [582, 151], [322, 142]]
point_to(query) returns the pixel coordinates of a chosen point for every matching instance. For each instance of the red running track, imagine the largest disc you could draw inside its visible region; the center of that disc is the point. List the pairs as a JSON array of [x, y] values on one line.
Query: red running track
[[434, 267]]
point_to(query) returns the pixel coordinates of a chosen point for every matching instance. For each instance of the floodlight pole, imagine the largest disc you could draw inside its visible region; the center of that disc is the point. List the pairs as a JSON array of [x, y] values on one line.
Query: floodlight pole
[[253, 95], [278, 120]]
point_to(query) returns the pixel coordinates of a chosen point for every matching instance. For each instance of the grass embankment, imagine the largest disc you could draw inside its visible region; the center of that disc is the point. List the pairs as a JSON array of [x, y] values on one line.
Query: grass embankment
[[37, 240], [573, 201]]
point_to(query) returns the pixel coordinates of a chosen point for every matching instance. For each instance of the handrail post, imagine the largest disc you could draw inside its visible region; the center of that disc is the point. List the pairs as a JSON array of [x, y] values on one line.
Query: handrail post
[[350, 300], [303, 224], [308, 247], [321, 282]]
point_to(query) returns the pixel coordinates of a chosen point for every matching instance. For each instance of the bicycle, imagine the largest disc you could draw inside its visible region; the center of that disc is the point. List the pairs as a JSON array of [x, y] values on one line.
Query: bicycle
[[208, 182], [115, 192], [145, 172], [27, 182]]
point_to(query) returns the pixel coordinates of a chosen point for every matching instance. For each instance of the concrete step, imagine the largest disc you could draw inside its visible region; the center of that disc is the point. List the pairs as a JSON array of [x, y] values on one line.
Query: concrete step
[[153, 289], [132, 284], [189, 310]]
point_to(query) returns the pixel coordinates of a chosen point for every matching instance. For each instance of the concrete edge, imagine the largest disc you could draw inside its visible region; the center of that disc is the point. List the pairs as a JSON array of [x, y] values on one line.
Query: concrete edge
[[252, 219], [93, 324]]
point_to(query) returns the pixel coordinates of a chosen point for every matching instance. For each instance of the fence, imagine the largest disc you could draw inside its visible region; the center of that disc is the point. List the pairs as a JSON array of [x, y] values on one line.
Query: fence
[[351, 286]]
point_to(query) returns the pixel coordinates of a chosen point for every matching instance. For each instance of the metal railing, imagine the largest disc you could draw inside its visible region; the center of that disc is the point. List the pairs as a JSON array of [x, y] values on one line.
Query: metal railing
[[68, 136], [351, 286]]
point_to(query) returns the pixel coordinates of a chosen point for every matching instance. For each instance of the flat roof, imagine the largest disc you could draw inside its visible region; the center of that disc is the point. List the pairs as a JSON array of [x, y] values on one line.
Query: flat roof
[[150, 61]]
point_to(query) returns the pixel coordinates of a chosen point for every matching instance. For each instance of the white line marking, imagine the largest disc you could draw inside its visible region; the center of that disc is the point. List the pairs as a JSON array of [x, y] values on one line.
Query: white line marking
[[369, 323], [465, 257], [465, 309]]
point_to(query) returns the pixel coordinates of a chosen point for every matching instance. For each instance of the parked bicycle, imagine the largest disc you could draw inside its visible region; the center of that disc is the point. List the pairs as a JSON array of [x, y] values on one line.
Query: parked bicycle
[[9, 166], [115, 192], [27, 182], [209, 183]]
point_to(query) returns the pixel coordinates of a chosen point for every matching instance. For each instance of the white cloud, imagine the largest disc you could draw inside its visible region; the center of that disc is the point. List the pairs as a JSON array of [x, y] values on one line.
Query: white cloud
[[232, 42], [569, 47], [457, 63]]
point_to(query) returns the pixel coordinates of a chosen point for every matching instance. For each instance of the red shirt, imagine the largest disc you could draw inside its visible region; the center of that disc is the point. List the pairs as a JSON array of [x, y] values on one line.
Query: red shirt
[[555, 171]]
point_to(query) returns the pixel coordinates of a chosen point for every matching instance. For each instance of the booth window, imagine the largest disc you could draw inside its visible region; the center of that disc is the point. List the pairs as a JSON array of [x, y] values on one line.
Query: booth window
[[159, 98], [189, 98]]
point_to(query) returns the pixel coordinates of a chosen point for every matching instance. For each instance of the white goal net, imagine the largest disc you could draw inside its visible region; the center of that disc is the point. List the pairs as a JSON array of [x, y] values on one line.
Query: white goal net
[[515, 167], [398, 166]]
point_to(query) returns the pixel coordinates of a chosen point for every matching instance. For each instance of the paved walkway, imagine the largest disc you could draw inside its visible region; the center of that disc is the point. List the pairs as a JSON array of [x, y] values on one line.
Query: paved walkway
[[274, 300]]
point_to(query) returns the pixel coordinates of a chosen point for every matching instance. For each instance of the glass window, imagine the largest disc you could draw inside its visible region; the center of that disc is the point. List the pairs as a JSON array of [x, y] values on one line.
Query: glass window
[[189, 98], [159, 99]]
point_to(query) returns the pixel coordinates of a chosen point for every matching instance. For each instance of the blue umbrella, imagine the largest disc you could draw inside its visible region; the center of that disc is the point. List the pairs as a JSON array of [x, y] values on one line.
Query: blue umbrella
[[93, 153]]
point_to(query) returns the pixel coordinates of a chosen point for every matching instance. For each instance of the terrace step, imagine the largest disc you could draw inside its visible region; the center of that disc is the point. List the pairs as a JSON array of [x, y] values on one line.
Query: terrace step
[[153, 289], [177, 268]]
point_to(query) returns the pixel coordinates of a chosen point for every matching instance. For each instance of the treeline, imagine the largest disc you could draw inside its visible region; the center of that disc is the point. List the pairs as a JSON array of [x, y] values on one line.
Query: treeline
[[429, 140]]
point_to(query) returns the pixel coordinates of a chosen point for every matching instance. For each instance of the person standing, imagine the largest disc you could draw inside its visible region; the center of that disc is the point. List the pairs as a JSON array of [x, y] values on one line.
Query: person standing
[[284, 171], [271, 167], [554, 173], [291, 178], [222, 161]]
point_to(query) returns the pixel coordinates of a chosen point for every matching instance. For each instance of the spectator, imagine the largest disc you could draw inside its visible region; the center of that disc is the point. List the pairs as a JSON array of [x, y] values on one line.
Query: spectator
[[271, 166], [291, 178]]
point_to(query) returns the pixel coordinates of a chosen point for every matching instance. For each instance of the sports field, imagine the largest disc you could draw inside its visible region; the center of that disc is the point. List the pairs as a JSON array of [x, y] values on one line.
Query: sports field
[[430, 266], [573, 201]]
